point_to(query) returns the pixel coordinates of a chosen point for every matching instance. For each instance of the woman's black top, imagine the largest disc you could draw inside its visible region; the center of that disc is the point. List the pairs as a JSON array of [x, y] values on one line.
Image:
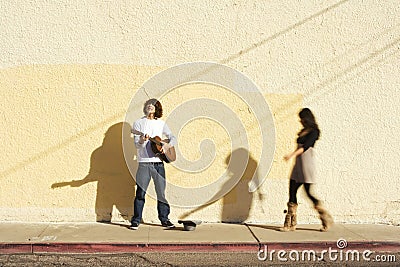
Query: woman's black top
[[308, 140]]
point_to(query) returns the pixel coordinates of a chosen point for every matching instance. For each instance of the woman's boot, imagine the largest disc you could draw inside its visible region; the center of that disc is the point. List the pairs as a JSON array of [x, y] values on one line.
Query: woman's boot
[[292, 207], [290, 218], [325, 217]]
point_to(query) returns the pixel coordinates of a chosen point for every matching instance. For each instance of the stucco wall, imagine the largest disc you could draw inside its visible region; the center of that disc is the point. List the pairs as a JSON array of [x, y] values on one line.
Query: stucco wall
[[68, 71]]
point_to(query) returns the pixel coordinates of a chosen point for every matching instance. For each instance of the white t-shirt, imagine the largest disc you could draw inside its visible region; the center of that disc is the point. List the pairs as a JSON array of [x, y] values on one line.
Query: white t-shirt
[[153, 128]]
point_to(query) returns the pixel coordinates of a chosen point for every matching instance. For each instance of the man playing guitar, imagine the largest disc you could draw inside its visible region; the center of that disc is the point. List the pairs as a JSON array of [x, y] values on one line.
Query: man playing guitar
[[150, 166]]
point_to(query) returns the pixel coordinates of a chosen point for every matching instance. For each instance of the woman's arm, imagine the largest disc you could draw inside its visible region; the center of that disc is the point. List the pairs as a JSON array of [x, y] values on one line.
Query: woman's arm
[[312, 137], [295, 153], [309, 142]]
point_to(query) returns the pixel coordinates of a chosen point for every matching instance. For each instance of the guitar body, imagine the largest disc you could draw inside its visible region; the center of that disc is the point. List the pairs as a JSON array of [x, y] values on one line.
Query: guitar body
[[156, 147]]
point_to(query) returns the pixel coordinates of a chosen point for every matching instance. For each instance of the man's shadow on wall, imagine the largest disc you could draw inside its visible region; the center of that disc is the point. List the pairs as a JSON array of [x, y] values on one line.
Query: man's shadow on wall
[[238, 201], [115, 185]]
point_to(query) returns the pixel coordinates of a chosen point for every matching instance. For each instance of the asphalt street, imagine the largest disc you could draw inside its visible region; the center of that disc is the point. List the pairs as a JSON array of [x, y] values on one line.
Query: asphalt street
[[183, 259]]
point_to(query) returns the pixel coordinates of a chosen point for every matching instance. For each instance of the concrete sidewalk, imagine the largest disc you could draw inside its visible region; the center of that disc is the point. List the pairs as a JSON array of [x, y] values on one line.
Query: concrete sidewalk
[[117, 238]]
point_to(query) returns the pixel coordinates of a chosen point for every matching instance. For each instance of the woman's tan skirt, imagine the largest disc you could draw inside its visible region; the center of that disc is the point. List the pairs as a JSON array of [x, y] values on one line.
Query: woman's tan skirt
[[304, 170]]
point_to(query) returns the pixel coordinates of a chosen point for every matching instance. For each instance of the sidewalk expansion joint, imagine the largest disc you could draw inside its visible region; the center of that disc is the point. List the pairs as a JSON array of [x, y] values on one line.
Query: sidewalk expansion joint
[[255, 237]]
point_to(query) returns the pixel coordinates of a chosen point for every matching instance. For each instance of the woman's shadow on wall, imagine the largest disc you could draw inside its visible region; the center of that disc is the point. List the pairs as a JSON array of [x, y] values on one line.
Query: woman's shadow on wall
[[115, 185], [237, 203]]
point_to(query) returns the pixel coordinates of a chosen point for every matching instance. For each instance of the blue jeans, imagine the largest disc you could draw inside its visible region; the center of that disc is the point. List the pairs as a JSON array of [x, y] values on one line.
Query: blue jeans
[[145, 172]]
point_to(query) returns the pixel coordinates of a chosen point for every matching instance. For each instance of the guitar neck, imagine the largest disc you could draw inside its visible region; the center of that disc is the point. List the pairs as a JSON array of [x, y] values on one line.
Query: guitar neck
[[152, 139], [137, 132]]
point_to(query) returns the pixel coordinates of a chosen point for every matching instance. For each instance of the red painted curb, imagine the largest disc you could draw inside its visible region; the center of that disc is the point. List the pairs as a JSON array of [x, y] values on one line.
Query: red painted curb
[[26, 248], [10, 248], [15, 248]]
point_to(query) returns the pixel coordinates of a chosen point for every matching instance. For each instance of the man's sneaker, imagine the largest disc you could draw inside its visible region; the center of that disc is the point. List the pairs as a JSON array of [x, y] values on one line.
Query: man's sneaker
[[168, 224], [134, 226]]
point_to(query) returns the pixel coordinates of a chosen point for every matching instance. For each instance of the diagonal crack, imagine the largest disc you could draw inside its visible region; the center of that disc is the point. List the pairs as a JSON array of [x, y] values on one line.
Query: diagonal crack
[[254, 235]]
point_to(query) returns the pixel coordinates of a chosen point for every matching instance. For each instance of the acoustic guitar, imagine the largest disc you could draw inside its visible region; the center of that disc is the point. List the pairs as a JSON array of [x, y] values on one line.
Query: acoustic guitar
[[156, 146]]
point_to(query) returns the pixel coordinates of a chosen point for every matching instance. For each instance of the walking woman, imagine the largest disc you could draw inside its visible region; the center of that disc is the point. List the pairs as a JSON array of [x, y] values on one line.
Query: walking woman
[[304, 173]]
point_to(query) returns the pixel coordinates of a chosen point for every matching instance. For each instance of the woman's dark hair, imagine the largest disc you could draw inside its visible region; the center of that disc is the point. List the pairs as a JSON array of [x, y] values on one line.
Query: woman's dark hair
[[308, 120], [159, 111]]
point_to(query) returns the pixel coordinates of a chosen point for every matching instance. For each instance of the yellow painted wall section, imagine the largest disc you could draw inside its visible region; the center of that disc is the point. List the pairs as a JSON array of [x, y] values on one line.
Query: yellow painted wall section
[[69, 70], [64, 124], [66, 142]]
